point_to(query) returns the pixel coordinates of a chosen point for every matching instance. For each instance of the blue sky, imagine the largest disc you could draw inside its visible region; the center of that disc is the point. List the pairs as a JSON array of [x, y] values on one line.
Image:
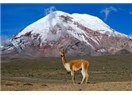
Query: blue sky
[[15, 17]]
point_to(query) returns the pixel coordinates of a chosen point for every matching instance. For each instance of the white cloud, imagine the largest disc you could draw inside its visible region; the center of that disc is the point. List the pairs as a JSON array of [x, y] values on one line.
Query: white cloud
[[130, 12], [107, 11], [4, 39], [125, 11], [49, 10]]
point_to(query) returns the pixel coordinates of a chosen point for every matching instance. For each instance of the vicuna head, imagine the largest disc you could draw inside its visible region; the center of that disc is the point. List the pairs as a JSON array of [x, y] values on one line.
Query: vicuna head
[[61, 52]]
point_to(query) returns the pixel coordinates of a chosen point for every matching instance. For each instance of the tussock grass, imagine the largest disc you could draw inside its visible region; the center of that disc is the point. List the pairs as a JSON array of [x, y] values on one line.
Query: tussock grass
[[113, 68]]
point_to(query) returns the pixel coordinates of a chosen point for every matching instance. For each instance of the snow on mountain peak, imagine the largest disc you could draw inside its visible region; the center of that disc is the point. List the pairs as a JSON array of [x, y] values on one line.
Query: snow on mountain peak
[[43, 25], [91, 22]]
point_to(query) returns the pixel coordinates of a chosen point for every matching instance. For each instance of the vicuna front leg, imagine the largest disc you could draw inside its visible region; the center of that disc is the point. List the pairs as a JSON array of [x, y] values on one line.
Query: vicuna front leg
[[72, 75]]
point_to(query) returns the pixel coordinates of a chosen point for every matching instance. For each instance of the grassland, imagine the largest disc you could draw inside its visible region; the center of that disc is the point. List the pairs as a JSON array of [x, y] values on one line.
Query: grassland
[[105, 73]]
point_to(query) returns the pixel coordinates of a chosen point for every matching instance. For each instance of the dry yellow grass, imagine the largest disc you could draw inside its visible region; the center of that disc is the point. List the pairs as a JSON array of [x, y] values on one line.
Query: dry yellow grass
[[106, 73]]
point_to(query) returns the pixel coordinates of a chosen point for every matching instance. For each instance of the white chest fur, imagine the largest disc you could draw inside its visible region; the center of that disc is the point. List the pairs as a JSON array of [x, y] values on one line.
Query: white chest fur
[[67, 66]]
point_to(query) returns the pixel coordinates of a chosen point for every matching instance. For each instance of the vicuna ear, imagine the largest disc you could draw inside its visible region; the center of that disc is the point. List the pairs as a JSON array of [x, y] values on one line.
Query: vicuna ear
[[61, 49]]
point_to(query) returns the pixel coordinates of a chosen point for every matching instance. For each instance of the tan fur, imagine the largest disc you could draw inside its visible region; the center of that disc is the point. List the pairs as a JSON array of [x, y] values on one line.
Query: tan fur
[[75, 65]]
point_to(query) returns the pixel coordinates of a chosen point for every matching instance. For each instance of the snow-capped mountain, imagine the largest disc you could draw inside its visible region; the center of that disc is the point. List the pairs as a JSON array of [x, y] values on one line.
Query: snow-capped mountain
[[78, 34]]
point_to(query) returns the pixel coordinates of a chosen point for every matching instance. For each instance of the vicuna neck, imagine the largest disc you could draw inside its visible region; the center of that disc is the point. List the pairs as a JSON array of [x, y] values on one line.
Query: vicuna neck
[[63, 59]]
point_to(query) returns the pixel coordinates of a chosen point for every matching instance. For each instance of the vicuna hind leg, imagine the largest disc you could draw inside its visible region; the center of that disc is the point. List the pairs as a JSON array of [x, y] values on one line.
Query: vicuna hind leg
[[83, 74], [86, 77]]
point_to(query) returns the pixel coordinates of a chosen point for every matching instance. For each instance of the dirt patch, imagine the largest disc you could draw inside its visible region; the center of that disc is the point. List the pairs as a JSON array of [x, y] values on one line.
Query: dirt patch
[[68, 86]]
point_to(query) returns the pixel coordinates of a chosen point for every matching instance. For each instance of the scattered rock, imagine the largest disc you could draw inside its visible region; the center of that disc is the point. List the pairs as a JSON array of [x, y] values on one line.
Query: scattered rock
[[9, 84], [80, 89], [91, 82], [106, 90], [44, 85], [31, 75], [29, 84]]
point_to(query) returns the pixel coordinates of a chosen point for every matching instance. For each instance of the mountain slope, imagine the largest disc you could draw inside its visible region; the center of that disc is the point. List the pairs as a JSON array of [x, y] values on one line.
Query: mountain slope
[[78, 34]]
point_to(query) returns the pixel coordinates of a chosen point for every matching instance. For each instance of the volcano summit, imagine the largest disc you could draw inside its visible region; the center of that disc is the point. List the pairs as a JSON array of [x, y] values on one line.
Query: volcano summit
[[78, 34]]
